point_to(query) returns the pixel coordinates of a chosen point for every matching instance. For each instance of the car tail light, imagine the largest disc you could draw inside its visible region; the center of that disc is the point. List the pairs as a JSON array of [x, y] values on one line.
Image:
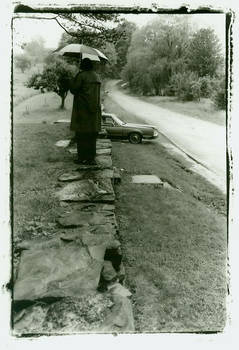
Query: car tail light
[[156, 132]]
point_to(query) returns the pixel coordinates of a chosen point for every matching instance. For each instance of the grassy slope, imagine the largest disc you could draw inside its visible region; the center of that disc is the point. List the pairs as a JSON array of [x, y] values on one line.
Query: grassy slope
[[20, 91], [174, 242], [204, 109], [36, 166]]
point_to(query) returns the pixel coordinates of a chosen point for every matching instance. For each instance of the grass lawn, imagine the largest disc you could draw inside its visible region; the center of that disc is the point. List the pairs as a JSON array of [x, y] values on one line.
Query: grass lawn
[[174, 241], [37, 162], [204, 109], [36, 166], [20, 91]]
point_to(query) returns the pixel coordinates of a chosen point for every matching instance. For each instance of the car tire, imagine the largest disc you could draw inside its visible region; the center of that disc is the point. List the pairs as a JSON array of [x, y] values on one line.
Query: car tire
[[135, 138]]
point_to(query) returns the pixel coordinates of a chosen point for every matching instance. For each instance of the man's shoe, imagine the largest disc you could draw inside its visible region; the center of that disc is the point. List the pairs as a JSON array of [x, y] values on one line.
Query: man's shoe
[[90, 162], [72, 142], [78, 161]]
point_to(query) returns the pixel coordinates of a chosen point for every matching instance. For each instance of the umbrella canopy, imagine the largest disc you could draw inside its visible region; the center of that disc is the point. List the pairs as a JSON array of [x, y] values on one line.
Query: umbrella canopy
[[83, 51]]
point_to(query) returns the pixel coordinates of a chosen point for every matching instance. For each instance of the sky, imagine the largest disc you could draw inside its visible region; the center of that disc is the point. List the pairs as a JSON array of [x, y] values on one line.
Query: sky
[[26, 29]]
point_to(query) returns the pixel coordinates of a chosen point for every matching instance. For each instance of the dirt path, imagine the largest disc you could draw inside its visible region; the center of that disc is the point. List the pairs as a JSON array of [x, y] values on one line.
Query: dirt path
[[204, 141]]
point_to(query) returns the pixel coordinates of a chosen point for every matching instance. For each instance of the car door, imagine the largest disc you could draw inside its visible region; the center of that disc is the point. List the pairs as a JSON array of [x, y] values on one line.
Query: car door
[[112, 127]]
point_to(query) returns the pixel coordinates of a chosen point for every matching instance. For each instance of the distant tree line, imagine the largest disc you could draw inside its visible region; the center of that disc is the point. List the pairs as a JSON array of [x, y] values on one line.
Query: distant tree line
[[166, 57], [34, 52]]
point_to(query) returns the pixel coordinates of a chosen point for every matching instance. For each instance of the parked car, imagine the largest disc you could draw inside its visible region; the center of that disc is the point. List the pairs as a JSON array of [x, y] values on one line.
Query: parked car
[[116, 128]]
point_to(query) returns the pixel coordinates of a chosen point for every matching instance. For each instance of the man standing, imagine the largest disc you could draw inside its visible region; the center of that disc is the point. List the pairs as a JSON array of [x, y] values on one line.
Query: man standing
[[86, 112]]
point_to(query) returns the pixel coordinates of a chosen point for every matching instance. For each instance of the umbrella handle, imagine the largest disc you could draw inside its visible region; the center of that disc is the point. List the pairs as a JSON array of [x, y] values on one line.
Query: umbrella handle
[[80, 59]]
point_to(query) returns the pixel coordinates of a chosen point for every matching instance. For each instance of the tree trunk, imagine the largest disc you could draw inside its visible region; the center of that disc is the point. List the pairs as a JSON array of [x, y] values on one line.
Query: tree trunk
[[62, 102], [63, 97]]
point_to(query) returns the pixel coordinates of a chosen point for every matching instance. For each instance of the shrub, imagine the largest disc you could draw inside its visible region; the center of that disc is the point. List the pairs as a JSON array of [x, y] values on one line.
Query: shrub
[[186, 86], [196, 90], [34, 81], [55, 77], [22, 62], [206, 86], [220, 97]]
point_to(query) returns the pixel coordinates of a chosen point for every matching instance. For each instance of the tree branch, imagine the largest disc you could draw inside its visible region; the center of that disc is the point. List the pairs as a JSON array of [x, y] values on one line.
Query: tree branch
[[69, 33], [33, 17], [86, 23]]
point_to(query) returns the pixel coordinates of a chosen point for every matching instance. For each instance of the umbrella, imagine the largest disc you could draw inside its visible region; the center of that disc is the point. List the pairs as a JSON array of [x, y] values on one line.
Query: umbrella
[[83, 51]]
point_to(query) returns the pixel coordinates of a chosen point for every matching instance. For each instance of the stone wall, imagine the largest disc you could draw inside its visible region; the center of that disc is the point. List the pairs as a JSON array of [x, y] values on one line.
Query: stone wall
[[74, 282]]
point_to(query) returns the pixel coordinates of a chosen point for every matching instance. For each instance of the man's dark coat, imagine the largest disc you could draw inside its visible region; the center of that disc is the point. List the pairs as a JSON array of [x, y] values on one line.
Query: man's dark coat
[[86, 112]]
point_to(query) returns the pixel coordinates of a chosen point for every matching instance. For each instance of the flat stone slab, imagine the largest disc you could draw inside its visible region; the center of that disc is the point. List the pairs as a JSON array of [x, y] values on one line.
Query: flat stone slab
[[88, 191], [118, 289], [64, 270], [106, 208], [90, 239], [96, 207], [105, 237], [30, 320], [88, 174], [92, 313], [77, 217], [104, 140], [99, 151], [103, 151], [104, 161], [146, 179], [73, 176], [103, 144], [39, 243], [120, 319], [82, 167], [77, 234], [62, 121], [63, 143]]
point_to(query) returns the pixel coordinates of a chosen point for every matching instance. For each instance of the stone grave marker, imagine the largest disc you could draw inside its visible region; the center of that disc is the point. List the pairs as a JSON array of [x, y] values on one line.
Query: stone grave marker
[[146, 179]]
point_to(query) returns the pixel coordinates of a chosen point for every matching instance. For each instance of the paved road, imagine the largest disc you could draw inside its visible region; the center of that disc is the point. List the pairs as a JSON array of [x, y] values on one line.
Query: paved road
[[204, 141]]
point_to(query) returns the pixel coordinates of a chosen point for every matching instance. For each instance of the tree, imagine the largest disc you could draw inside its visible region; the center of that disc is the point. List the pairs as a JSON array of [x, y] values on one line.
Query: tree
[[159, 73], [89, 29], [109, 69], [122, 35], [22, 62], [35, 50], [55, 77], [204, 53], [137, 72], [163, 43]]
